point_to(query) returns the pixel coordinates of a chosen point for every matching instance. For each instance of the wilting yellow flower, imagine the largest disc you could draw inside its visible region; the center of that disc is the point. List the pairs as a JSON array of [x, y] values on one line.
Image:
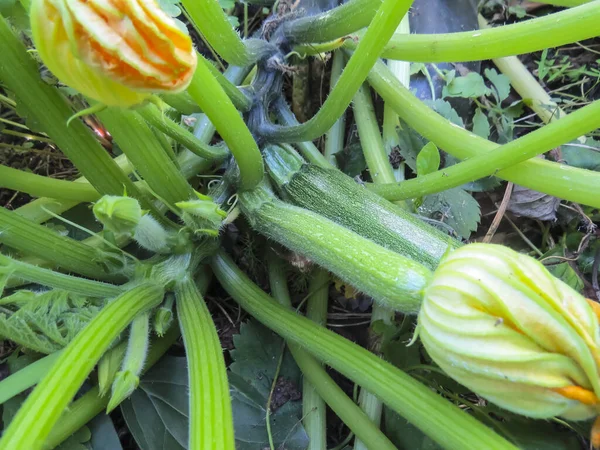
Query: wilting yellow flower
[[115, 51], [499, 323]]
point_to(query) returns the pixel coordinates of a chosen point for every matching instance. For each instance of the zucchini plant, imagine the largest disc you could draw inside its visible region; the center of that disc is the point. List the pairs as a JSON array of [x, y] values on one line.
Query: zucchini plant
[[97, 305]]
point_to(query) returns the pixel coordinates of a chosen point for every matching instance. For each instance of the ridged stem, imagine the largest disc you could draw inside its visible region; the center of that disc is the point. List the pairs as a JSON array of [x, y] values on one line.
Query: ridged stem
[[211, 421], [43, 407], [439, 419], [334, 140], [553, 30], [570, 183], [380, 30]]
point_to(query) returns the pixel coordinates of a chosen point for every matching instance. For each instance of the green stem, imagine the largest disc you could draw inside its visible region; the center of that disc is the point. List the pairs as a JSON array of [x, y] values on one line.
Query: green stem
[[318, 385], [160, 121], [437, 418], [138, 142], [238, 98], [381, 172], [552, 30], [26, 377], [182, 102], [307, 148], [20, 74], [37, 240], [207, 92], [42, 409], [332, 24], [313, 405], [378, 33], [532, 144], [388, 277], [527, 86], [85, 408], [570, 183], [49, 278], [211, 421], [40, 186], [334, 141], [222, 37]]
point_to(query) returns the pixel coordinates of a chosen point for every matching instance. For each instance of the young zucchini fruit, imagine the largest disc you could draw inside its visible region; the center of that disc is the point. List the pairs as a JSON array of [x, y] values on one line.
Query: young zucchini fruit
[[338, 197], [388, 277]]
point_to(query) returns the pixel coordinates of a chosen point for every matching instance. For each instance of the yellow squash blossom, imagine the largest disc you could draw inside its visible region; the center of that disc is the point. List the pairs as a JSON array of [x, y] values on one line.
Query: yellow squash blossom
[[500, 324], [117, 52]]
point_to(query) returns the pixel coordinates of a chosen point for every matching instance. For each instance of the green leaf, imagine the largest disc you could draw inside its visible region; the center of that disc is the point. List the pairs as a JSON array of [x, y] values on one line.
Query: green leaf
[[481, 126], [46, 321], [428, 159], [584, 155], [104, 434], [501, 83], [471, 85], [157, 412], [410, 143], [351, 160], [454, 207], [445, 109], [256, 356], [227, 4], [565, 272]]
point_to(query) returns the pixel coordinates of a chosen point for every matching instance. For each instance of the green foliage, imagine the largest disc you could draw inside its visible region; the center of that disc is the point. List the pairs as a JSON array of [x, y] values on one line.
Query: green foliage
[[256, 356], [46, 321], [471, 85], [428, 159]]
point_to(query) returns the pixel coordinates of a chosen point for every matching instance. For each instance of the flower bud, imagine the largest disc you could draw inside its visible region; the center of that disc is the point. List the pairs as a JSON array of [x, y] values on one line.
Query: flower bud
[[500, 324], [118, 214], [116, 52]]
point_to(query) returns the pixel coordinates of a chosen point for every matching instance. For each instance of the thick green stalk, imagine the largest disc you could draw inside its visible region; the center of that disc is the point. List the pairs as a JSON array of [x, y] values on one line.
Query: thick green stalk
[[318, 385], [37, 240], [313, 406], [85, 408], [543, 139], [570, 183], [388, 277], [211, 420], [210, 19], [569, 3], [552, 30], [56, 280], [380, 30], [334, 140], [381, 171], [238, 98], [376, 157], [182, 102], [436, 417], [43, 407], [332, 24], [26, 377], [307, 148], [206, 91], [40, 186], [160, 121], [138, 142], [20, 74], [526, 85]]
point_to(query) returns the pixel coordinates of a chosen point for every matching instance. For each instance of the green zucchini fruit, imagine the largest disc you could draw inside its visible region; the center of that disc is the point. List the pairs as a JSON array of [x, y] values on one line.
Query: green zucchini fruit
[[339, 198], [388, 277]]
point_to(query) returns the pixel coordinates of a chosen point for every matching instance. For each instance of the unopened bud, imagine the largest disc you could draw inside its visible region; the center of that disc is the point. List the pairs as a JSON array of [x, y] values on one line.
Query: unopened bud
[[118, 214]]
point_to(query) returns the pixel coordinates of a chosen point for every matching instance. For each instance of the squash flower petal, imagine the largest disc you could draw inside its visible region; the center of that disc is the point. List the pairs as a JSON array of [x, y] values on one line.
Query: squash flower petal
[[502, 325], [117, 52]]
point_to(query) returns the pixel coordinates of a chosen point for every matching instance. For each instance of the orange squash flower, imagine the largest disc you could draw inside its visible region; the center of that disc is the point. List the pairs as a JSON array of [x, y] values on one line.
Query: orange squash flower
[[117, 52]]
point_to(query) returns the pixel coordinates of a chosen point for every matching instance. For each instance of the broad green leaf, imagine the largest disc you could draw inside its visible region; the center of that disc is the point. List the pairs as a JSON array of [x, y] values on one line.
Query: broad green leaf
[[256, 357], [428, 159], [456, 208], [501, 83], [481, 126], [157, 412], [585, 155], [104, 434], [410, 143], [471, 85], [351, 160], [565, 272], [445, 109]]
